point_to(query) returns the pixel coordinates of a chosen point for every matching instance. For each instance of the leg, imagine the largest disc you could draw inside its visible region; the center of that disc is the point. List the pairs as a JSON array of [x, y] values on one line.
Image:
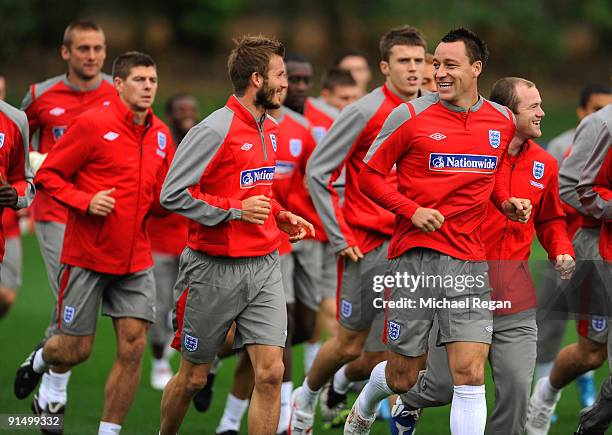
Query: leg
[[576, 359], [124, 377], [265, 402], [7, 298], [238, 399], [178, 393], [360, 368]]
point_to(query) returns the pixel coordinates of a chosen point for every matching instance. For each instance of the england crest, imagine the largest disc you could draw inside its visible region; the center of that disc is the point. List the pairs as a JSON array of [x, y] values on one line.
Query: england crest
[[68, 314], [538, 170], [494, 138], [346, 308], [599, 324], [273, 140], [394, 330], [191, 343], [1, 140], [295, 147], [161, 140], [58, 132]]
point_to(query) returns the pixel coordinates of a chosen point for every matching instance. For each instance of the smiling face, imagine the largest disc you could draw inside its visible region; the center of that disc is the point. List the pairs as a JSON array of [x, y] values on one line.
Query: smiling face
[[456, 77], [404, 69], [529, 112], [139, 88], [270, 93]]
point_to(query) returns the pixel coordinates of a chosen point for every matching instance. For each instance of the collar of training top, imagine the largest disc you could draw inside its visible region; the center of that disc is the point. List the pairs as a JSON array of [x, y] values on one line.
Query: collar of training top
[[391, 95], [243, 113], [454, 108], [126, 114], [74, 87]]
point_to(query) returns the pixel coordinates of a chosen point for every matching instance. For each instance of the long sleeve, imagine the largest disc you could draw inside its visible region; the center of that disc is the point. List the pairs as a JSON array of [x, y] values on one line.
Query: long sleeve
[[63, 161], [387, 149], [194, 156], [325, 166], [550, 224], [501, 192], [594, 189]]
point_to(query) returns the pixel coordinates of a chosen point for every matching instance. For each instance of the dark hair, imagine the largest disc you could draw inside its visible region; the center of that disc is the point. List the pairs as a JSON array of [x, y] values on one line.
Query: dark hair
[[123, 64], [504, 91], [403, 35], [251, 55], [348, 52], [170, 102], [79, 25], [474, 46], [588, 90], [335, 76]]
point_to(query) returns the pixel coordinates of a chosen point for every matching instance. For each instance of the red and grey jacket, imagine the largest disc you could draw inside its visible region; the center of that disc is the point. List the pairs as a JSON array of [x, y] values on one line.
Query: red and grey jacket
[[104, 149], [168, 234], [321, 115], [449, 159], [533, 174], [295, 145], [595, 184], [51, 107], [14, 163], [223, 160], [360, 221]]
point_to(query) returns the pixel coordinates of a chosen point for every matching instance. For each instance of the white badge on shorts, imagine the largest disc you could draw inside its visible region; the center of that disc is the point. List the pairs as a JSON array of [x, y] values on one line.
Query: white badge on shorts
[[599, 323], [346, 308], [394, 330], [69, 314], [191, 343]]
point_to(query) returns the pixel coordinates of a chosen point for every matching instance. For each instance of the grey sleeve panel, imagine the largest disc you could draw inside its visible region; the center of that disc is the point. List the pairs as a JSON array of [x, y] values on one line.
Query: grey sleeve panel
[[593, 203], [39, 89], [21, 120], [321, 105], [328, 157], [573, 165], [297, 117], [193, 156], [559, 145], [503, 110], [108, 78], [396, 118], [424, 102]]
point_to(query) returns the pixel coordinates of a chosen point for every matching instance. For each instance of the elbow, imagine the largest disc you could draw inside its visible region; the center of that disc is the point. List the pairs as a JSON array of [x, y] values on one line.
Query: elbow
[[166, 199]]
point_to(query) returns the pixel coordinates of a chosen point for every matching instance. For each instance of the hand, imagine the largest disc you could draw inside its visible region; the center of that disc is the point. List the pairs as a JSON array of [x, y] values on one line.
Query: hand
[[352, 252], [295, 226], [102, 203], [255, 209], [565, 265], [427, 219], [8, 194], [517, 209]]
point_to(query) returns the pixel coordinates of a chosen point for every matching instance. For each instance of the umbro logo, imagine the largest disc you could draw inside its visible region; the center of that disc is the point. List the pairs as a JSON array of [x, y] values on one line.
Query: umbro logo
[[247, 146], [57, 111], [111, 136], [437, 136]]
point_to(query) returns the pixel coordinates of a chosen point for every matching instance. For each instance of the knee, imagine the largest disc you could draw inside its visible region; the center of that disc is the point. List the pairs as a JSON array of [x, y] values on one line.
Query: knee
[[595, 356], [349, 345], [469, 373], [74, 350], [270, 374], [192, 383], [400, 381], [131, 348]]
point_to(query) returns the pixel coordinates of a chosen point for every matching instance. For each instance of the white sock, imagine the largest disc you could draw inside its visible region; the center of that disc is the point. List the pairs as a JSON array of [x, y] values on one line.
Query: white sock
[[39, 365], [232, 414], [341, 382], [309, 396], [547, 392], [468, 410], [53, 388], [160, 364], [310, 353], [109, 428], [285, 407], [375, 390], [543, 370]]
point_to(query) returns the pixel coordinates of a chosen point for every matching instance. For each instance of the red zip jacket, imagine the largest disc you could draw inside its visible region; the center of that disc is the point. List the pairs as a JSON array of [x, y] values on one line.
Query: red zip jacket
[[295, 145], [534, 175], [168, 234], [595, 184], [360, 221], [10, 223], [226, 158], [104, 149], [14, 164], [321, 115], [448, 159], [51, 107]]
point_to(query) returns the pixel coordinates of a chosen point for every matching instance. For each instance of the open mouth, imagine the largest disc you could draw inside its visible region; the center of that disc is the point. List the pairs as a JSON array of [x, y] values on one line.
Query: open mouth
[[444, 85]]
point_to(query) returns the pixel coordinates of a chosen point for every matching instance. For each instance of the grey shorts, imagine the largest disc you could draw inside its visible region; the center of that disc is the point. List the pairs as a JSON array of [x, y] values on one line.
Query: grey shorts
[[376, 340], [212, 292], [457, 291], [309, 273], [84, 291], [10, 273], [165, 271], [50, 237]]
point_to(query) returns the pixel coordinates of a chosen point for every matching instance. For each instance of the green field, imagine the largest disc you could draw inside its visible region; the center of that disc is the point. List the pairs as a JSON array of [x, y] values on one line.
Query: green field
[[24, 326]]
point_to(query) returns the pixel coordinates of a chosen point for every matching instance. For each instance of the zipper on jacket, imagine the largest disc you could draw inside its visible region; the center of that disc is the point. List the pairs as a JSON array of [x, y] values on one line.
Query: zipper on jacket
[[262, 136], [142, 135], [501, 245]]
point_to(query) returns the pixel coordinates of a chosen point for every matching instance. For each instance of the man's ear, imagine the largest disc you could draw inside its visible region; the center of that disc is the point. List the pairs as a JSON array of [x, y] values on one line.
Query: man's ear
[[256, 80], [477, 68]]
